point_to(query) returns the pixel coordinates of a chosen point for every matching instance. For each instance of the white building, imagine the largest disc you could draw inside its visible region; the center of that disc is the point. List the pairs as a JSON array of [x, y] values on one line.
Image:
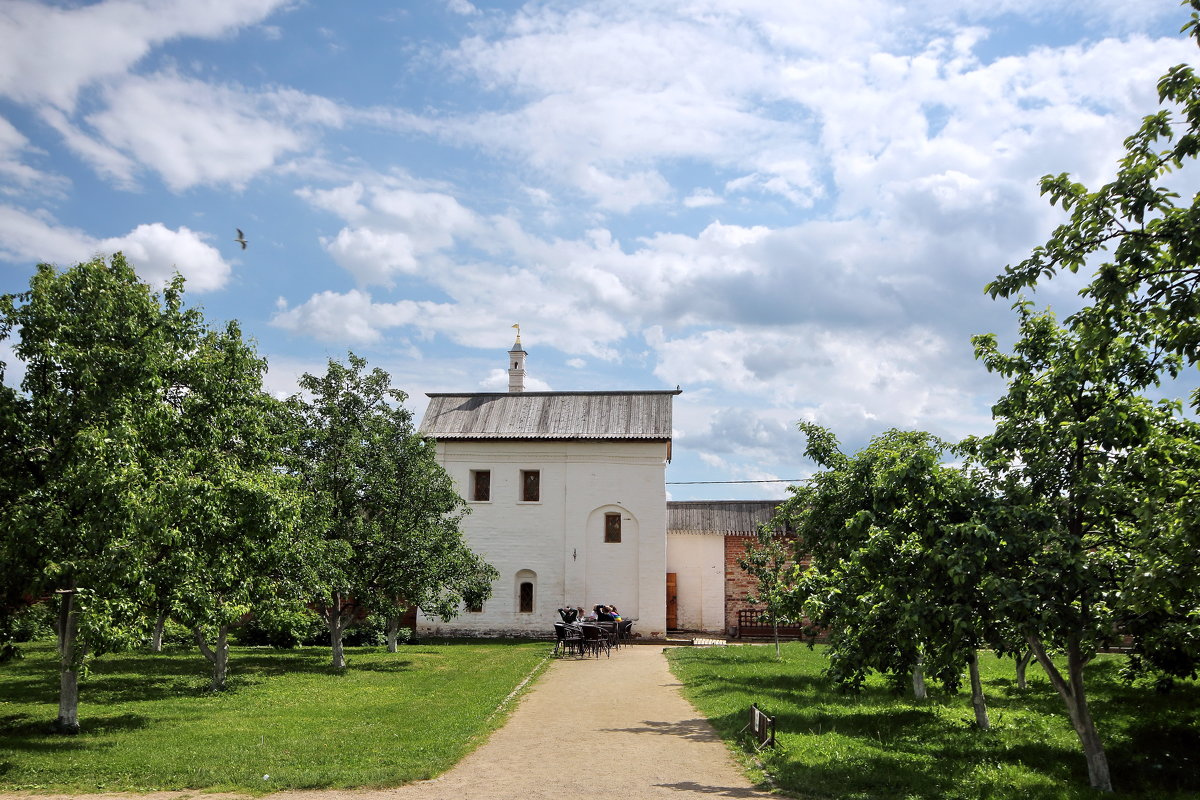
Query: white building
[[706, 587], [567, 497]]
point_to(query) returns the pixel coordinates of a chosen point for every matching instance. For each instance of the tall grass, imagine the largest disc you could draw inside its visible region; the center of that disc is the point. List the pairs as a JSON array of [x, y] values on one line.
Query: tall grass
[[287, 721], [881, 745]]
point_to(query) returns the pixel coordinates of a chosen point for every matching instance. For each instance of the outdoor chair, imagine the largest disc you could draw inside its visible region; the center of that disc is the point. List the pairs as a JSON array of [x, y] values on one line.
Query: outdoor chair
[[610, 631], [624, 631], [567, 639], [596, 639]]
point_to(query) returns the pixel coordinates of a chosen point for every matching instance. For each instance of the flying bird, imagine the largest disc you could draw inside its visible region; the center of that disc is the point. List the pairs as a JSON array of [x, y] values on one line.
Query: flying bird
[[241, 238]]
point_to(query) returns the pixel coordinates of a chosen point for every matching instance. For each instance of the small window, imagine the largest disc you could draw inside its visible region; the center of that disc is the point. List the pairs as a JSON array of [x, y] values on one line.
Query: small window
[[526, 598], [475, 606], [612, 527], [531, 485], [481, 485]]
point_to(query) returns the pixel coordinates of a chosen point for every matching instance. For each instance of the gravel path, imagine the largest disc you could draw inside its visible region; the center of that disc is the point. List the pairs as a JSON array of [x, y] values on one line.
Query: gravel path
[[612, 727]]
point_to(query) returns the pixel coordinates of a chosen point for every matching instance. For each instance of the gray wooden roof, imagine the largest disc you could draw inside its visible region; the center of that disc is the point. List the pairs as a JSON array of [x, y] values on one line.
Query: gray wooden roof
[[719, 516], [550, 415]]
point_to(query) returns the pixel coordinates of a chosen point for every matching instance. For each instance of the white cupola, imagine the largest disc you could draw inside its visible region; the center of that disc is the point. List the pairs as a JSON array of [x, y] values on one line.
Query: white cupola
[[516, 365]]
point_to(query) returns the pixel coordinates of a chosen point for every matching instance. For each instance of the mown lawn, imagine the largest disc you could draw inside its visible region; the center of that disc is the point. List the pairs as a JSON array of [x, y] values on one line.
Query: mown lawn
[[287, 721], [881, 745]]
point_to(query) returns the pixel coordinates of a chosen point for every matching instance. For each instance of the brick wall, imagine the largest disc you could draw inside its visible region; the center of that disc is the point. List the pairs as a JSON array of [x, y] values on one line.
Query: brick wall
[[738, 583]]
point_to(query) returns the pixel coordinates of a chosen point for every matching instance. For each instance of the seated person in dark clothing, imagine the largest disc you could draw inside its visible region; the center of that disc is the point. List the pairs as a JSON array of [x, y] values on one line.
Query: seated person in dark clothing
[[604, 613], [568, 615]]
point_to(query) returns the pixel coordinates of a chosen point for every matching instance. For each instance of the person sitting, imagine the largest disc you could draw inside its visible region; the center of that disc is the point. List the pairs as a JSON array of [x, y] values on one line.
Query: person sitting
[[568, 615], [604, 613]]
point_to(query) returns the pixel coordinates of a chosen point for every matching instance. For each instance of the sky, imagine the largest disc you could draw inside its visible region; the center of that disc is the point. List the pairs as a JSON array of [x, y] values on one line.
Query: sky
[[787, 209]]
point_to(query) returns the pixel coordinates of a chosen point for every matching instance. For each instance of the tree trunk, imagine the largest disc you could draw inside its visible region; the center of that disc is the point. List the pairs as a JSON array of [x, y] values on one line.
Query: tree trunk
[[1071, 690], [775, 630], [156, 635], [218, 657], [337, 625], [393, 631], [1022, 663], [68, 678], [977, 699], [918, 678]]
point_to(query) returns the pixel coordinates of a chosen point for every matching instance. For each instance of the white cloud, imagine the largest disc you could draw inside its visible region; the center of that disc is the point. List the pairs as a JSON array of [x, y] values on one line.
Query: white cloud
[[105, 159], [156, 251], [51, 52], [700, 198], [18, 178], [192, 132], [461, 7], [852, 381], [397, 228], [798, 100], [353, 317], [497, 381], [372, 257]]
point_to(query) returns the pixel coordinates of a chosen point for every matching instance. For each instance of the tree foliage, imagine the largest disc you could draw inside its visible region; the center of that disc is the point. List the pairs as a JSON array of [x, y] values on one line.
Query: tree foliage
[[897, 559], [93, 426], [1126, 469], [140, 471], [1142, 242], [383, 511], [771, 561], [226, 505], [1083, 465]]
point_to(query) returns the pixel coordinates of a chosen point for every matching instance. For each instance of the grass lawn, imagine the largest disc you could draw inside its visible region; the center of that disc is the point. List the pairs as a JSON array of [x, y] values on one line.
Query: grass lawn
[[881, 745], [149, 721]]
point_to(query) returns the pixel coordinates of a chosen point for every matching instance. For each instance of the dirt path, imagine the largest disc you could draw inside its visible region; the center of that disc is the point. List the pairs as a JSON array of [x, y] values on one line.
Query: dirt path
[[613, 727]]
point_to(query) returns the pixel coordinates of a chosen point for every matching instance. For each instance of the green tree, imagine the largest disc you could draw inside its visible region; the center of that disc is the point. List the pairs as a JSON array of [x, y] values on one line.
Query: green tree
[[147, 476], [1143, 244], [383, 510], [898, 560], [17, 563], [101, 350], [1143, 241], [771, 561], [1079, 461], [228, 509]]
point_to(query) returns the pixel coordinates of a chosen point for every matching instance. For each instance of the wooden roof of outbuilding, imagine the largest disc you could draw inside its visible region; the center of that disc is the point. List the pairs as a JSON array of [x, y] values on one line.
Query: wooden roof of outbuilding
[[644, 415], [719, 516]]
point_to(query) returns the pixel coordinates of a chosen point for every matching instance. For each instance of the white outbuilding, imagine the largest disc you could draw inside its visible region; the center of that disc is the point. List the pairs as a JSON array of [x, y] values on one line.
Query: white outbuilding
[[567, 497]]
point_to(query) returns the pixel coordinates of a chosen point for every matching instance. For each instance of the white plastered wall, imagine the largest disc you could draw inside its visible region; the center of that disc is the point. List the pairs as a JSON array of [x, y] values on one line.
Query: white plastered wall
[[560, 538], [698, 561]]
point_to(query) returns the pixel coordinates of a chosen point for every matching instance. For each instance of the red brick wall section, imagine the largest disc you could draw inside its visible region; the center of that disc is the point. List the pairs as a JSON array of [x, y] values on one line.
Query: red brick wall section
[[738, 583]]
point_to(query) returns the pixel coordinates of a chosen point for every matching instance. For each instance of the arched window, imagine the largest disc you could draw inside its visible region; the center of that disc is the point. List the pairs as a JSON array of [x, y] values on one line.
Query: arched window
[[526, 591]]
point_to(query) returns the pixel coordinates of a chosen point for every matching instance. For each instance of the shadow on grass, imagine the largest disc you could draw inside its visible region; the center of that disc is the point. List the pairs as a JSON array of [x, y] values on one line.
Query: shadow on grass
[[381, 666], [897, 747], [1153, 756], [22, 732], [131, 677]]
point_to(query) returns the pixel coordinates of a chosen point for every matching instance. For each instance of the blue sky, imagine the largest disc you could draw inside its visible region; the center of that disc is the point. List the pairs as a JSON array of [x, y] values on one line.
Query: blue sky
[[788, 209]]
